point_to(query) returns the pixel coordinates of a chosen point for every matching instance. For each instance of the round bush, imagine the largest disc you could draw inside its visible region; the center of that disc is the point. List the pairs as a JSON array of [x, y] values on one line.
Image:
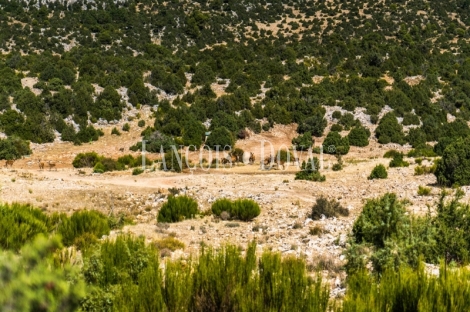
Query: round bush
[[389, 130], [245, 209], [177, 209], [359, 136], [336, 128], [379, 172], [221, 205]]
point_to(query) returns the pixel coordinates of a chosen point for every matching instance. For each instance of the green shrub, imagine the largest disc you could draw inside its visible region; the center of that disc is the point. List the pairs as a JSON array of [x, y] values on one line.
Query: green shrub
[[398, 161], [335, 144], [99, 168], [337, 167], [410, 119], [141, 123], [336, 128], [137, 171], [89, 159], [81, 222], [315, 124], [442, 144], [406, 289], [115, 131], [245, 209], [303, 141], [220, 136], [310, 171], [14, 148], [417, 138], [359, 136], [119, 260], [177, 209], [391, 153], [420, 170], [173, 162], [221, 205], [379, 220], [19, 224], [328, 208], [424, 191], [336, 114], [126, 127], [454, 167], [241, 209], [379, 172], [389, 130], [348, 121], [30, 283], [424, 151], [155, 142]]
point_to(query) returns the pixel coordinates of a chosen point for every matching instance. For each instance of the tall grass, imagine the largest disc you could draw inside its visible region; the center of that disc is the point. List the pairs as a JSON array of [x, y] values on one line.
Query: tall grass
[[223, 280], [407, 289]]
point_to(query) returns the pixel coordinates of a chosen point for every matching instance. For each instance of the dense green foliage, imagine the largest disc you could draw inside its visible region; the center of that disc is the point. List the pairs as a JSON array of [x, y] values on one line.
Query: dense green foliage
[[20, 223], [14, 148], [407, 289], [389, 130], [220, 136], [92, 223], [454, 166], [70, 48], [129, 275], [30, 282], [310, 171], [240, 209], [379, 172], [359, 136], [303, 142], [177, 209], [124, 273], [398, 161], [173, 161], [389, 237], [335, 144]]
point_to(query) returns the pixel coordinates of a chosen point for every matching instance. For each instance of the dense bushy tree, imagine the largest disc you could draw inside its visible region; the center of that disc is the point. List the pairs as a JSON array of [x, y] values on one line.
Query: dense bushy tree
[[303, 141], [389, 130], [359, 136], [454, 167], [220, 136], [315, 124], [335, 144]]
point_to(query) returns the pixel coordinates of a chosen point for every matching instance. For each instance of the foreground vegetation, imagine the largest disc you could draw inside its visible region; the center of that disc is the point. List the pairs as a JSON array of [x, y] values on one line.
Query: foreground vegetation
[[126, 273]]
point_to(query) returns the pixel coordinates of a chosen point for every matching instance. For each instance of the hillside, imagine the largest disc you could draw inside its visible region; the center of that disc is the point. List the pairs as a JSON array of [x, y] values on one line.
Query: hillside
[[361, 207], [265, 63]]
